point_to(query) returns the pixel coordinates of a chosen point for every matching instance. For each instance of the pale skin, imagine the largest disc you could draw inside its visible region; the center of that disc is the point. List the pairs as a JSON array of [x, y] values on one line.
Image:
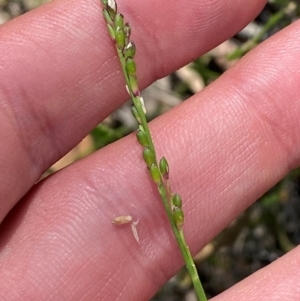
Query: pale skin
[[226, 146]]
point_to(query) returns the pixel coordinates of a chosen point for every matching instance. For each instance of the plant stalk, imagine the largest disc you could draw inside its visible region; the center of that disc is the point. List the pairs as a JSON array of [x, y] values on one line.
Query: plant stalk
[[159, 171]]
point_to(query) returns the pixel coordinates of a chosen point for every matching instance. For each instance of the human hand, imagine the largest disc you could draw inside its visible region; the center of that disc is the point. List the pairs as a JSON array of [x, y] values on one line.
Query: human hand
[[226, 146]]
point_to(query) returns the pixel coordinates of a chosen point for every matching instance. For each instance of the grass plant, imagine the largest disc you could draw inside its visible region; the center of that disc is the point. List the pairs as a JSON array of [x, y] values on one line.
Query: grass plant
[[119, 32]]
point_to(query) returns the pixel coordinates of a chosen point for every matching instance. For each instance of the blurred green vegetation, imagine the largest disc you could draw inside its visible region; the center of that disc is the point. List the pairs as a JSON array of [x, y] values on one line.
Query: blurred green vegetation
[[266, 230]]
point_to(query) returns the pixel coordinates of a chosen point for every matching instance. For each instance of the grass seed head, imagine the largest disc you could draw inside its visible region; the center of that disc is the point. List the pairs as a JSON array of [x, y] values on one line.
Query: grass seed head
[[129, 50], [176, 200], [142, 138], [111, 7], [136, 114], [149, 157], [141, 99], [130, 66], [155, 174], [108, 18], [119, 21], [178, 217], [120, 38], [127, 30], [134, 85], [164, 168]]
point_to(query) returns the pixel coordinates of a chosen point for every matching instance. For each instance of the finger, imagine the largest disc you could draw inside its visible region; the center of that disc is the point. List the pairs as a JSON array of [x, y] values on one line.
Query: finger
[[52, 99], [278, 281], [226, 146]]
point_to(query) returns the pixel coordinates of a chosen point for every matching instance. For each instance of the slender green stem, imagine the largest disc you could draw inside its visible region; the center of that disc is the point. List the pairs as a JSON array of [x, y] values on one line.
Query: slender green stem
[[273, 20], [185, 251], [159, 171]]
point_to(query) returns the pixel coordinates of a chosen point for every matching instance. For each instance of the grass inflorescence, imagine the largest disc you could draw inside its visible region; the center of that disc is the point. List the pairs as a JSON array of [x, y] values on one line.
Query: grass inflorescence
[[120, 32]]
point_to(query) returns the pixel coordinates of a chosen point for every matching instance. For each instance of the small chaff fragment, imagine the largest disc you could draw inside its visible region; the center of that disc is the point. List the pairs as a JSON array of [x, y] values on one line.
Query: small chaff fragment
[[125, 219], [134, 231], [121, 220]]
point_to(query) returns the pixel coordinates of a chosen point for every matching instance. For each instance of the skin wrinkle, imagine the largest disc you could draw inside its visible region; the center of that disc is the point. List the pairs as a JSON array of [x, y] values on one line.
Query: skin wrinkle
[[112, 280], [79, 216], [51, 59], [95, 180], [212, 129], [105, 293], [112, 276], [36, 282], [14, 119], [26, 40], [266, 119], [158, 273], [154, 274], [270, 130], [62, 236], [89, 281], [22, 275], [69, 22], [21, 128], [122, 296], [6, 110], [130, 280], [5, 164], [46, 128], [273, 129]]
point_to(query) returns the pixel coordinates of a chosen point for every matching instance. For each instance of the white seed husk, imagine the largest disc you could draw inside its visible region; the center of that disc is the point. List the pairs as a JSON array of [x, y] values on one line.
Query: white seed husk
[[127, 89], [121, 220], [141, 99], [134, 231], [112, 4]]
